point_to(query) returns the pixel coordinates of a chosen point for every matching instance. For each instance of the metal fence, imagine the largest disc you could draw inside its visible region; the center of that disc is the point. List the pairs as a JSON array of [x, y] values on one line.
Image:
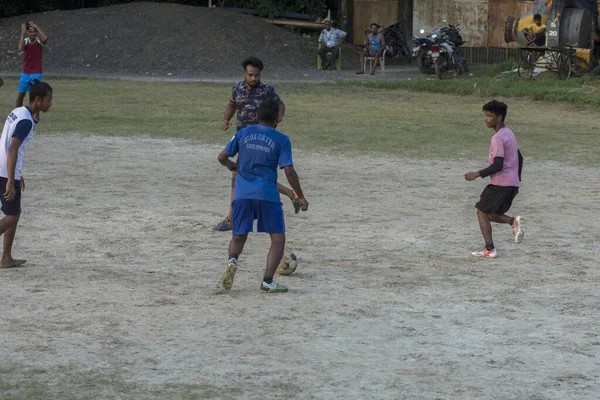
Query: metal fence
[[489, 55]]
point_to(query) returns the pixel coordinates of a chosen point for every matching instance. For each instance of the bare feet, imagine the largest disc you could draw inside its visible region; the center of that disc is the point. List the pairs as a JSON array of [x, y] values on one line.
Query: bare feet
[[12, 263]]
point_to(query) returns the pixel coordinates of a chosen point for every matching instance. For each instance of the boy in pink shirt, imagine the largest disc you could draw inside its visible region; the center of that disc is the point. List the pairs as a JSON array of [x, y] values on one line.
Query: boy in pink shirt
[[505, 164]]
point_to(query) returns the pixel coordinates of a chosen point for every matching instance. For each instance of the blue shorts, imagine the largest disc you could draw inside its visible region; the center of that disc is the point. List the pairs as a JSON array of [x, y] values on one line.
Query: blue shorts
[[269, 216], [27, 80], [371, 53]]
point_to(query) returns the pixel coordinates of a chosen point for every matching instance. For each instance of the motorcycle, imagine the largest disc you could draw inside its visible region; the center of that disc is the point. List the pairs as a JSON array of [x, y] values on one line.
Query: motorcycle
[[421, 53], [446, 52]]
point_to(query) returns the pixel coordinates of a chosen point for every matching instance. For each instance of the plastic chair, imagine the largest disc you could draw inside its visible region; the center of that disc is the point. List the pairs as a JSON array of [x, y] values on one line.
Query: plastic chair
[[338, 61], [372, 60]]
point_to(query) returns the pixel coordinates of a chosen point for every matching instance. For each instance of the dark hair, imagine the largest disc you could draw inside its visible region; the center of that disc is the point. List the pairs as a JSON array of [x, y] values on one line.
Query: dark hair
[[374, 23], [39, 89], [496, 107], [253, 61], [537, 16], [268, 111]]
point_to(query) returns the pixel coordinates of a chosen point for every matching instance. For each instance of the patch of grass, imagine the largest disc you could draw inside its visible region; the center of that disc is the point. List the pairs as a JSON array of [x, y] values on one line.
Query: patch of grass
[[327, 118], [72, 382], [493, 82]]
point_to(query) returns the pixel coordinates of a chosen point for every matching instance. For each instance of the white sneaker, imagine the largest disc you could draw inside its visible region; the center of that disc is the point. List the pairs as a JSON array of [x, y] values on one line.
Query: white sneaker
[[517, 228], [272, 287], [485, 253]]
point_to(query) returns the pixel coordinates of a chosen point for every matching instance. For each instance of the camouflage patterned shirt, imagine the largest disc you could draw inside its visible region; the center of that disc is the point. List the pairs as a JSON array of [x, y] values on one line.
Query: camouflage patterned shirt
[[247, 100]]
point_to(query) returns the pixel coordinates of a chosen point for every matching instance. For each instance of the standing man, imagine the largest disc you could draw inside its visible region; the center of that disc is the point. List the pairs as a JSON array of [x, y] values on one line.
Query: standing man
[[373, 47], [246, 96], [32, 47], [505, 164], [331, 39], [261, 150], [16, 135]]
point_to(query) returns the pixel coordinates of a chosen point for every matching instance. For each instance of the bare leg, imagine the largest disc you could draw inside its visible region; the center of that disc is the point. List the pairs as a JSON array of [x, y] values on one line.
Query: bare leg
[[375, 63], [236, 246], [362, 61], [485, 226], [501, 219], [8, 227], [233, 176], [275, 253], [20, 98]]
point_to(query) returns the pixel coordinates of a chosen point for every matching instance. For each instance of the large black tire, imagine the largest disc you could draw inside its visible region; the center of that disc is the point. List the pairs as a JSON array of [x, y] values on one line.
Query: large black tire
[[1, 82], [429, 70], [465, 66], [564, 67], [526, 66], [596, 72], [441, 66]]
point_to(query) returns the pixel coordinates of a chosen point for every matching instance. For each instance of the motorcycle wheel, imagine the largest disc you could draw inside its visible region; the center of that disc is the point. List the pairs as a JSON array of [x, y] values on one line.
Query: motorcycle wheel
[[596, 73], [440, 66], [465, 66], [424, 69]]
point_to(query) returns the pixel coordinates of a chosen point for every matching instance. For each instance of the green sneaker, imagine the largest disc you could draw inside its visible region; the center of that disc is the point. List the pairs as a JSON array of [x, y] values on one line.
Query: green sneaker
[[229, 274], [272, 288]]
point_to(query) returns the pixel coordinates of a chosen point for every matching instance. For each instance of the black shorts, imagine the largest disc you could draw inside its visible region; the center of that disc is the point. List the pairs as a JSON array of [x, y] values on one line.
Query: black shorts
[[540, 40], [10, 207], [496, 199]]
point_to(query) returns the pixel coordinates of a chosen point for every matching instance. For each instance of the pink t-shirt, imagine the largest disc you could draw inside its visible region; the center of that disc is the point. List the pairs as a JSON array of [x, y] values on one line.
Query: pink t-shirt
[[504, 144]]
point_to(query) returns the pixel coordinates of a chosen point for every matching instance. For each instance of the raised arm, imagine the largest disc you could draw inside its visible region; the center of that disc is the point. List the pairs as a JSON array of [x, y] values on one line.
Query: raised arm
[[22, 38], [43, 35]]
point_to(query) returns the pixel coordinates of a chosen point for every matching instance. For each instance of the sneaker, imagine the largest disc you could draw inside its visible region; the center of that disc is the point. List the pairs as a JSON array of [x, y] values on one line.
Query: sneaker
[[229, 274], [225, 225], [295, 203], [517, 228], [272, 287], [485, 253]]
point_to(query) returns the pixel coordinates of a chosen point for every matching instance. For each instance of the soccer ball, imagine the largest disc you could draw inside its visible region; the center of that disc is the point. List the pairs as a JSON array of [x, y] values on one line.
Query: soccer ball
[[288, 264]]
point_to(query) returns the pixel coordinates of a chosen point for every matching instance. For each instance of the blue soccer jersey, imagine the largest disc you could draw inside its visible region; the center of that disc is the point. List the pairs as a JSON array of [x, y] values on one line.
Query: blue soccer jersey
[[261, 150]]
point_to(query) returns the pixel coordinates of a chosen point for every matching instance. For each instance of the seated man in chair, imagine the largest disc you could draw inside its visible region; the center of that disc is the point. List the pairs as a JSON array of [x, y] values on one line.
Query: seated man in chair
[[374, 46], [330, 39]]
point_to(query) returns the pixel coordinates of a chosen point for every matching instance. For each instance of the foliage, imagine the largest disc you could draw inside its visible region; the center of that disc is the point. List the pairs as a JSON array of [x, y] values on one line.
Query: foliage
[[496, 81]]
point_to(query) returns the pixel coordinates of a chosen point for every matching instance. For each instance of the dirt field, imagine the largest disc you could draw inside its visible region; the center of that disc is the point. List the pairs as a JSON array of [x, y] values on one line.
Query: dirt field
[[117, 299]]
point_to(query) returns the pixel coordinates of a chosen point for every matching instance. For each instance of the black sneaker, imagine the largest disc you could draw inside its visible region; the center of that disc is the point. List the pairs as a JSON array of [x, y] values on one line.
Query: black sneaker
[[225, 225]]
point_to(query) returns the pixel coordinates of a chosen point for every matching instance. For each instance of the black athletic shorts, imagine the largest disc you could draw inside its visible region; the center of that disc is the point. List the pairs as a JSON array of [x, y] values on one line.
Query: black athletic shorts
[[496, 199], [10, 207]]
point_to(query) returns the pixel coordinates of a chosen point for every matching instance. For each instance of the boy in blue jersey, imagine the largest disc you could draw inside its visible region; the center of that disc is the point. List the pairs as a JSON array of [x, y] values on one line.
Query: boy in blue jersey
[[16, 135], [261, 150]]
